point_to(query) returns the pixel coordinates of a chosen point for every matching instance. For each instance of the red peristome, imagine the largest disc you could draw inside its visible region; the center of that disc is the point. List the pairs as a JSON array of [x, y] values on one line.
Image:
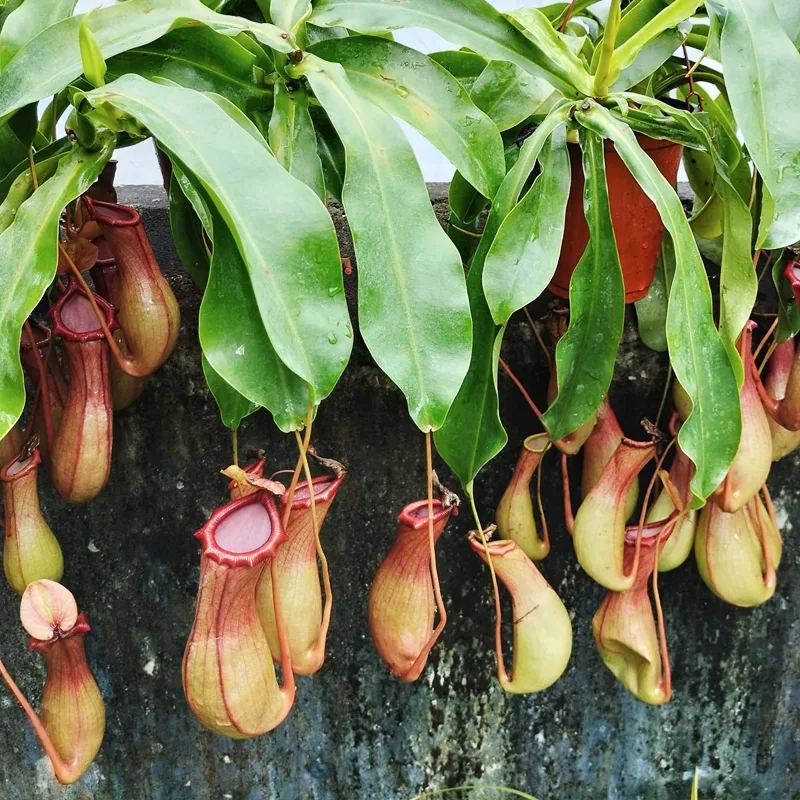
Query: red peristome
[[228, 675], [81, 457], [401, 600]]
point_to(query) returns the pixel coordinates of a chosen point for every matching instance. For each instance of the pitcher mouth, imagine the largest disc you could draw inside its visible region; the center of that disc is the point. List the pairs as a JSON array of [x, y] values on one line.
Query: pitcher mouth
[[74, 318], [115, 215], [650, 531], [415, 515], [244, 532], [325, 488], [80, 627], [20, 466]]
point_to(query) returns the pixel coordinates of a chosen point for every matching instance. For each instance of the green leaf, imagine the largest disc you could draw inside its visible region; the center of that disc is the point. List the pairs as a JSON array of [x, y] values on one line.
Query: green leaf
[[202, 59], [413, 306], [524, 254], [738, 280], [288, 14], [17, 187], [27, 21], [233, 407], [466, 204], [473, 433], [710, 436], [283, 231], [676, 12], [585, 355], [762, 73], [234, 339], [29, 253], [473, 23], [651, 311], [463, 65], [655, 53], [187, 234], [508, 94], [52, 60], [788, 312], [541, 32], [331, 152], [292, 137], [409, 85], [789, 15], [94, 65]]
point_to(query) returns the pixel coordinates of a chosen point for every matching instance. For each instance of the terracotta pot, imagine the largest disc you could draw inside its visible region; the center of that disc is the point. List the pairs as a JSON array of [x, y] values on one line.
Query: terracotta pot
[[638, 226]]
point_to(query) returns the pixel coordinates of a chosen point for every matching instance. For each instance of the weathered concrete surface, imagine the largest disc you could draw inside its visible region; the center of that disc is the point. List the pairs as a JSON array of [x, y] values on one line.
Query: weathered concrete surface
[[355, 732]]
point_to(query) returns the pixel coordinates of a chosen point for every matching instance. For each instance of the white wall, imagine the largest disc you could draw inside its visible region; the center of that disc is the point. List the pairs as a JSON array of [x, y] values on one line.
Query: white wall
[[137, 165]]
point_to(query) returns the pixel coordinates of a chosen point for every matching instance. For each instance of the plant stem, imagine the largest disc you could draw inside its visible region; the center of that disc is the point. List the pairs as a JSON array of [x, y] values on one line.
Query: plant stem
[[64, 771], [235, 438], [603, 74], [498, 625], [522, 389], [326, 576]]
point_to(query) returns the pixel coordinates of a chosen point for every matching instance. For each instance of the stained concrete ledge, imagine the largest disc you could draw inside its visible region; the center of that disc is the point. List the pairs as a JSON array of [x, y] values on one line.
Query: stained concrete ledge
[[355, 732]]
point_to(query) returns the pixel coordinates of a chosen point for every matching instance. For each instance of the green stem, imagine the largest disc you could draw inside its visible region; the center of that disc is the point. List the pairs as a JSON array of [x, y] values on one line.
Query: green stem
[[603, 74]]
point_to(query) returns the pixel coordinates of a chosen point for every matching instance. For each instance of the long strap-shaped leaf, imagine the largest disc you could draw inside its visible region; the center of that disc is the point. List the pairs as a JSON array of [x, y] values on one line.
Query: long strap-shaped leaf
[[524, 254], [412, 301], [29, 20], [413, 87], [233, 407], [281, 228], [710, 436], [199, 58], [738, 280], [762, 73], [473, 433], [473, 23], [292, 137], [287, 14], [236, 344], [28, 255], [51, 60], [585, 355]]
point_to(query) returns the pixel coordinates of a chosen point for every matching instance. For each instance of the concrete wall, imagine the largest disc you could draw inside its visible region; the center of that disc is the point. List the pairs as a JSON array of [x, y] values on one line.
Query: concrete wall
[[355, 732]]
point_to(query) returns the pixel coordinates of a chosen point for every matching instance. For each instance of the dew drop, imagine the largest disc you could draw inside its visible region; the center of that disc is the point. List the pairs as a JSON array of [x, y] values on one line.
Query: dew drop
[[332, 338], [334, 290], [402, 91]]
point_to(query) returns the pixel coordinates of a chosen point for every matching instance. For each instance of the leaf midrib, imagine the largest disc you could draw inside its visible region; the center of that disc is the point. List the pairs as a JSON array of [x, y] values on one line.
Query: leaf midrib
[[390, 228], [244, 233]]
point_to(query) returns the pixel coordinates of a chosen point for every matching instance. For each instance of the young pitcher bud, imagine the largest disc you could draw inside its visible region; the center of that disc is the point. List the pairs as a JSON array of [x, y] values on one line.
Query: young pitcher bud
[[514, 517], [737, 554], [542, 627], [30, 550], [401, 600], [72, 722]]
